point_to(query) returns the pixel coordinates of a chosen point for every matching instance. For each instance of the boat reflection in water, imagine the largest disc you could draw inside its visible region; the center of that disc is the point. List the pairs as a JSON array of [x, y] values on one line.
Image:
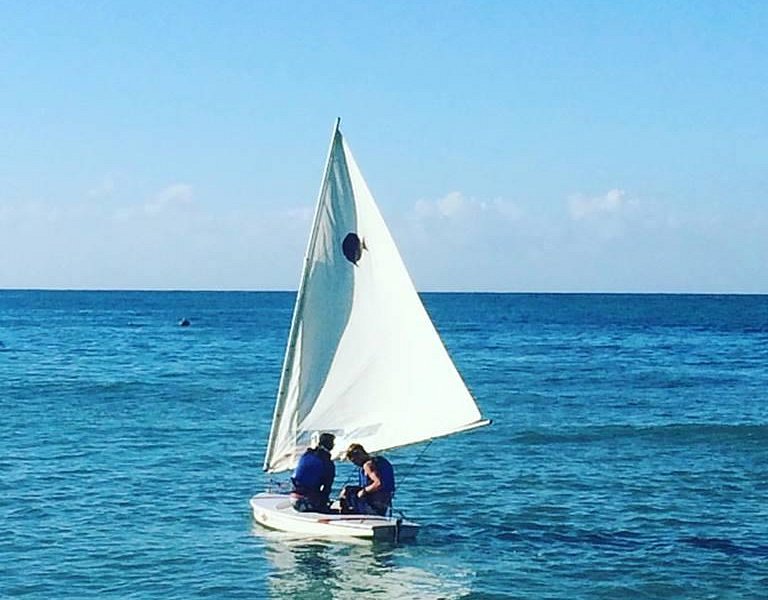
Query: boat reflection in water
[[317, 569]]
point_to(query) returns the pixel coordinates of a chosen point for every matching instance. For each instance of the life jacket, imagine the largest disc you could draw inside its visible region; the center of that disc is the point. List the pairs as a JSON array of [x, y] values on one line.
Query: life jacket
[[314, 471], [386, 475]]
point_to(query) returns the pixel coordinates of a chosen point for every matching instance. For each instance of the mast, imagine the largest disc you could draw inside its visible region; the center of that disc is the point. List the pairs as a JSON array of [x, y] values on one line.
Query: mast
[[288, 360]]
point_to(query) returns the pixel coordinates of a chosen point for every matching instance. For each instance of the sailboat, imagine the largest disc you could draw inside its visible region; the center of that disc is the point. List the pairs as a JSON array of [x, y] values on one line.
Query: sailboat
[[363, 359]]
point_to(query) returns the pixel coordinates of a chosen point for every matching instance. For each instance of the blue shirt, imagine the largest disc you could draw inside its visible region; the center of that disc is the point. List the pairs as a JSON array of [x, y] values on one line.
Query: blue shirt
[[314, 474]]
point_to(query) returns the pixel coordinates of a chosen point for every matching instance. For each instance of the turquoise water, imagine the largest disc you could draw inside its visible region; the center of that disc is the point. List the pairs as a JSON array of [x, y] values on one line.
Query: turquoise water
[[628, 456]]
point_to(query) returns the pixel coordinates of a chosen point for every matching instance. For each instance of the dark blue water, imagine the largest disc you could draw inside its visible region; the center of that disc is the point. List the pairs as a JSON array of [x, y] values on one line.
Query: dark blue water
[[628, 456]]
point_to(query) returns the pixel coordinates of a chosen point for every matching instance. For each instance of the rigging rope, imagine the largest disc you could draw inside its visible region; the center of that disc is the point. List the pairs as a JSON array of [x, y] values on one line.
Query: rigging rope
[[413, 464]]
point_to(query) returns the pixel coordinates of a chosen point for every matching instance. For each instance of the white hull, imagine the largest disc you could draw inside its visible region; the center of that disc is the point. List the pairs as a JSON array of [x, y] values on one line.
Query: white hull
[[275, 512]]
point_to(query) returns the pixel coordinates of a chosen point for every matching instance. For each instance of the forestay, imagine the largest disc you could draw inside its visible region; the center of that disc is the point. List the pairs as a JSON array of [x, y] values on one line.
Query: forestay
[[363, 359]]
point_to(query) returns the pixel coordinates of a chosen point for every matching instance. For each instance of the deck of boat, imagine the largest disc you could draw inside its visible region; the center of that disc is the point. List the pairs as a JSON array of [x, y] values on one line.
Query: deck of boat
[[276, 512]]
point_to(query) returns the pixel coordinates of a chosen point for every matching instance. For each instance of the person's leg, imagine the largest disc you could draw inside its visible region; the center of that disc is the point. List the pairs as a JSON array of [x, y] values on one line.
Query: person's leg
[[348, 499], [301, 504]]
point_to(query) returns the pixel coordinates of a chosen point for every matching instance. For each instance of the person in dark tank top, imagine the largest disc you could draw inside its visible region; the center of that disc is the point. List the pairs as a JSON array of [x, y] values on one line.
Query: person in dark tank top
[[373, 495]]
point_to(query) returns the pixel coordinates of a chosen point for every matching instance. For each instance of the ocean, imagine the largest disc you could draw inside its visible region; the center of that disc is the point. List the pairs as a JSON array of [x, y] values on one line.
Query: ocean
[[628, 457]]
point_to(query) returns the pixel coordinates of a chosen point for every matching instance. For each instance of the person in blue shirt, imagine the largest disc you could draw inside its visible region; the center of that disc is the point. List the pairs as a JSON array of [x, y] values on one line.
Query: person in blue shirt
[[313, 477], [373, 495]]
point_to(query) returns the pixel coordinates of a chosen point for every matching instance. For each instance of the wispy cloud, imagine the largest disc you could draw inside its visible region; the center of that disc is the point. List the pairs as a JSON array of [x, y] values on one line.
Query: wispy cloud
[[104, 189], [456, 205], [167, 241], [177, 196], [612, 202], [611, 241], [172, 239]]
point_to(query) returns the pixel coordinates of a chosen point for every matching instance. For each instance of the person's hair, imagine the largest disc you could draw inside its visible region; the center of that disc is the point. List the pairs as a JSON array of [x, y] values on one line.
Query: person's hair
[[327, 441], [356, 450]]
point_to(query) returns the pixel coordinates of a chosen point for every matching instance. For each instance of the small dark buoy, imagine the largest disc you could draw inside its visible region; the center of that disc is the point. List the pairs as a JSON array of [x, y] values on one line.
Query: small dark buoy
[[184, 323]]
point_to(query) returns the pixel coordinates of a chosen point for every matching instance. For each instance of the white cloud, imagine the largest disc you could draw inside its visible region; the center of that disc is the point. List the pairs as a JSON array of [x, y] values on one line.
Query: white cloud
[[612, 202], [105, 189], [453, 242], [173, 197], [453, 204], [606, 242], [160, 243], [176, 199], [456, 205], [459, 237]]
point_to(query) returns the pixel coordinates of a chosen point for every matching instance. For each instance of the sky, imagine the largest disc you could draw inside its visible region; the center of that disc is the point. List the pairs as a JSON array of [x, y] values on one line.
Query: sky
[[521, 146]]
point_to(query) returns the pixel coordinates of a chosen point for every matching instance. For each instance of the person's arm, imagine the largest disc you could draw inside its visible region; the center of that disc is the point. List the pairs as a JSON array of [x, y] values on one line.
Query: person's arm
[[370, 470], [329, 476]]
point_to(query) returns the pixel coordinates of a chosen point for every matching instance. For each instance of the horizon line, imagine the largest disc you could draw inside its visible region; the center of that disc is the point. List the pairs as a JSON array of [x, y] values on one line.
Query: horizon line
[[294, 291]]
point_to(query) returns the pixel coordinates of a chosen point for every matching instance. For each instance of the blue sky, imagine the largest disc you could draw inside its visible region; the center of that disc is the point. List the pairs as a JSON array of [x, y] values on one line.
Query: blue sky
[[512, 146]]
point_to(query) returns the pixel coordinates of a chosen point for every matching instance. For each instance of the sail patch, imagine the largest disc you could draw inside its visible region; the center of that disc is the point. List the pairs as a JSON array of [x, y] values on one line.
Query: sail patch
[[352, 247]]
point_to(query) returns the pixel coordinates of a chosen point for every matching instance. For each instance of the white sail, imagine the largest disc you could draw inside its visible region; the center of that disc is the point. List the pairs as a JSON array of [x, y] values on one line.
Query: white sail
[[363, 359]]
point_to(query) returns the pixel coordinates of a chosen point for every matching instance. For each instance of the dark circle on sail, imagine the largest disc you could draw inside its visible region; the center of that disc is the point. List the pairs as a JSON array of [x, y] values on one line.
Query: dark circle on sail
[[352, 248]]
